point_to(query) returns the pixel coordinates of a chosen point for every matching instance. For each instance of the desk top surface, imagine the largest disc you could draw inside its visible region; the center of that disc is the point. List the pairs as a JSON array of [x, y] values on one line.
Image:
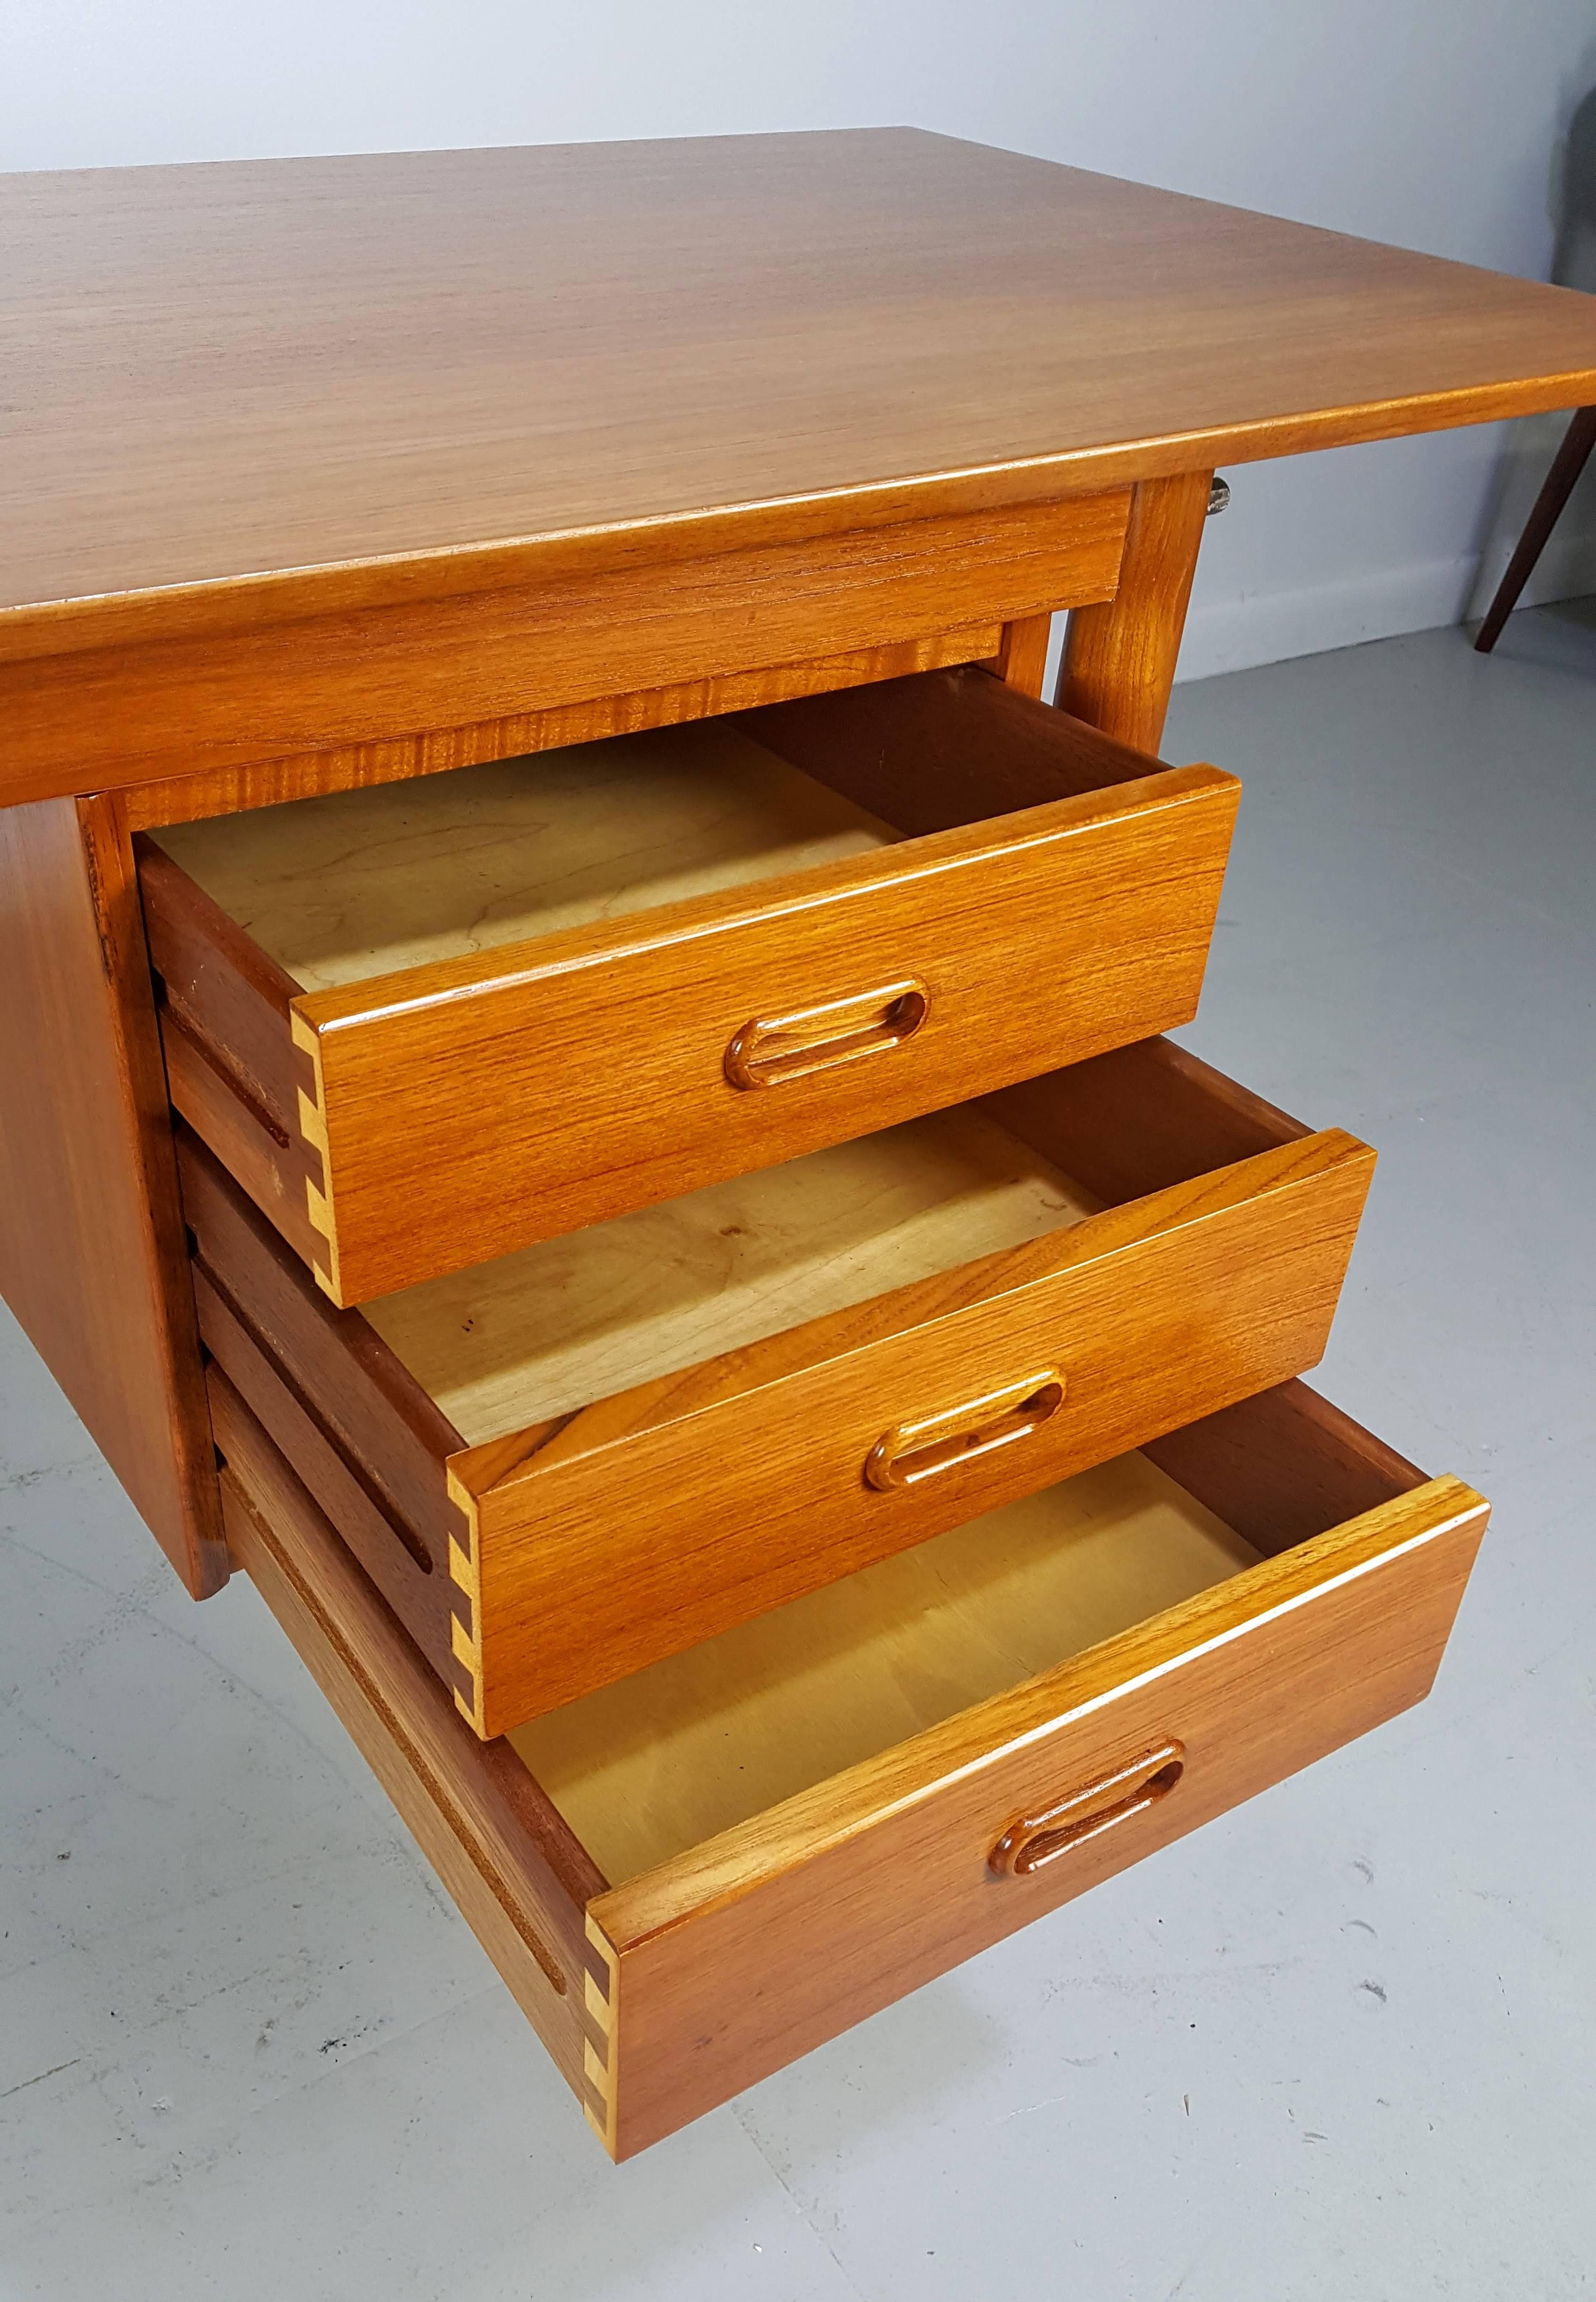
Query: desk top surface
[[249, 391]]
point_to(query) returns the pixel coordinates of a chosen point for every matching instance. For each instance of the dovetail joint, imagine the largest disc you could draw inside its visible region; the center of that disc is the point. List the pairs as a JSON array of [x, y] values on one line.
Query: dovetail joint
[[312, 1129], [471, 1712], [462, 1570], [468, 1655], [464, 1574], [599, 2062]]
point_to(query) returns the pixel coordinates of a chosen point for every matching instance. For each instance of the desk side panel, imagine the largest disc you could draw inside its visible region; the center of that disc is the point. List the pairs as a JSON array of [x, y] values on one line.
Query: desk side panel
[[92, 1256]]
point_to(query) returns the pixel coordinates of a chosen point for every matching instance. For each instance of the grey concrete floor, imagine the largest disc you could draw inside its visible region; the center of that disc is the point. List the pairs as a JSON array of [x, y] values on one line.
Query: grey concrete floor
[[1339, 2044]]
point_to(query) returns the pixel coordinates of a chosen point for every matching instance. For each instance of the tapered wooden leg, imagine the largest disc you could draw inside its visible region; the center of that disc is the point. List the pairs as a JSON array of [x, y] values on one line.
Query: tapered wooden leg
[[1568, 463], [92, 1254], [1120, 662]]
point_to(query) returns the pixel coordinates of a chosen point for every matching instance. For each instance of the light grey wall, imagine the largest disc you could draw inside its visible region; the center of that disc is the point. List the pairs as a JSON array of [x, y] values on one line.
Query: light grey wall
[[1432, 124]]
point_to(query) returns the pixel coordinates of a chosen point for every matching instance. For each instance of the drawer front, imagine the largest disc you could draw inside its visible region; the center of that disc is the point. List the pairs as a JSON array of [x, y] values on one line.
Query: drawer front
[[457, 1121], [732, 1961], [124, 714], [660, 1998], [420, 1121], [726, 1491]]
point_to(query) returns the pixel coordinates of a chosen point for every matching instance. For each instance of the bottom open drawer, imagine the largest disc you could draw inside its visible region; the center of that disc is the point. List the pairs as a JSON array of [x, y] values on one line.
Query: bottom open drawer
[[696, 1874]]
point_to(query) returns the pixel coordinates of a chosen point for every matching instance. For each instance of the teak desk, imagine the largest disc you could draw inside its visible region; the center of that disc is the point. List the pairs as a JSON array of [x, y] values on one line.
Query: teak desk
[[581, 1087]]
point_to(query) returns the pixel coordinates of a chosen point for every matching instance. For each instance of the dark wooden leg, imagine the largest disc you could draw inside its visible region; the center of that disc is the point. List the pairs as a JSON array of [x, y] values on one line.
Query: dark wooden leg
[[1120, 663], [1568, 463], [92, 1254]]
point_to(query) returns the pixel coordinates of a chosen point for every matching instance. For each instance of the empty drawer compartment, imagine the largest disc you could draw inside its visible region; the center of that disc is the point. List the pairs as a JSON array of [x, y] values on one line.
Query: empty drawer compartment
[[431, 1022], [690, 1879]]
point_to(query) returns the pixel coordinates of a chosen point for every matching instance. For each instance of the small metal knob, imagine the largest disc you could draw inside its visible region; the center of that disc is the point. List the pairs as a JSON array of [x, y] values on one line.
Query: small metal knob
[[1219, 494]]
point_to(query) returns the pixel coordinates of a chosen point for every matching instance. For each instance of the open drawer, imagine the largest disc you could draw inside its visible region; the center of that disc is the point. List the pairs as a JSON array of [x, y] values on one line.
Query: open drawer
[[553, 1484], [427, 1023], [693, 1878]]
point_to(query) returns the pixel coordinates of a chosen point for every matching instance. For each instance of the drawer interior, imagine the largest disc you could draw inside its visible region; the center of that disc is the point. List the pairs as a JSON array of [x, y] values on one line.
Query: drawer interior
[[694, 1876], [360, 884], [541, 1333], [646, 1769], [365, 883], [648, 1766], [544, 1331], [427, 1023]]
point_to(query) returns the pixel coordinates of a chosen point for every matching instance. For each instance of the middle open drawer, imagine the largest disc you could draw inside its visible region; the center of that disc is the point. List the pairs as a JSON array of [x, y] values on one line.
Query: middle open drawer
[[553, 1485]]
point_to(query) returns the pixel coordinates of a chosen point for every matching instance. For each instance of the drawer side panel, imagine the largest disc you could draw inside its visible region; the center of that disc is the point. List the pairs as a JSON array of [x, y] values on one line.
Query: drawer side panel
[[350, 1419], [517, 1877]]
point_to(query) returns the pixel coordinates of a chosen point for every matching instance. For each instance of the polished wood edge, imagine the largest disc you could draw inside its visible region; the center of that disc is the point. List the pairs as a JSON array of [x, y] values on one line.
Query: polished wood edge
[[228, 791], [496, 1473], [738, 1862], [486, 973]]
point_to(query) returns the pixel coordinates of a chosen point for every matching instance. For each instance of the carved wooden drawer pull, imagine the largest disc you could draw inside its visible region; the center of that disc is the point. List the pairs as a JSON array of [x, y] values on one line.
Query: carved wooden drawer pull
[[769, 1049], [912, 1451], [1037, 1839]]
